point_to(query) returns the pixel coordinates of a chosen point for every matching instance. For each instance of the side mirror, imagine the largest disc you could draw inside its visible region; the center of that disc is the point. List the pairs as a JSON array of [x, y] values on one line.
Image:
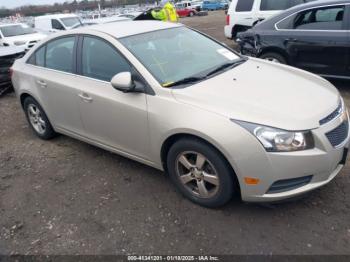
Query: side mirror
[[123, 82]]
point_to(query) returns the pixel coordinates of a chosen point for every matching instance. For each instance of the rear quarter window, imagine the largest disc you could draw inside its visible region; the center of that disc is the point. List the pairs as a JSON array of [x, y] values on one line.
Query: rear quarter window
[[244, 5]]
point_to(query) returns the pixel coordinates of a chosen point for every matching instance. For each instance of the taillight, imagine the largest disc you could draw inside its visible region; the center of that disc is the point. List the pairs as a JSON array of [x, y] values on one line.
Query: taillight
[[228, 20], [11, 72]]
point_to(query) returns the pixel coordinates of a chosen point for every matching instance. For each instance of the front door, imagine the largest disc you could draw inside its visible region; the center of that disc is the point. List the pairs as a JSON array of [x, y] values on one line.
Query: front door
[[110, 117]]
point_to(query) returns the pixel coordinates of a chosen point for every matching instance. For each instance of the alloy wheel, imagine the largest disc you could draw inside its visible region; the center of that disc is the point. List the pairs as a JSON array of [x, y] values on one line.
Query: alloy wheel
[[36, 119], [197, 174]]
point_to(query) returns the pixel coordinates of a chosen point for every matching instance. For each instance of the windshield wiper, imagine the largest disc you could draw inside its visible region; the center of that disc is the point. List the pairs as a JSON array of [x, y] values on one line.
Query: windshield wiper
[[224, 66], [187, 80]]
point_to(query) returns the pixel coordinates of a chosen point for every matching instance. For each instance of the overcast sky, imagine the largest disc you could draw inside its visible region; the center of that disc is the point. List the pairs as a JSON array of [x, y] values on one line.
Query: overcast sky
[[16, 3]]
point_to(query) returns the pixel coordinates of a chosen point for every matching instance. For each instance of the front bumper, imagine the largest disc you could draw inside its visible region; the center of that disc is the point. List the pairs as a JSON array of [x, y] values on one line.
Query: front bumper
[[322, 164]]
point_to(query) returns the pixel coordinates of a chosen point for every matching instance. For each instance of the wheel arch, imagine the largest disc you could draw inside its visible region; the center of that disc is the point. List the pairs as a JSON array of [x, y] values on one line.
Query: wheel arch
[[172, 139], [23, 96], [274, 49]]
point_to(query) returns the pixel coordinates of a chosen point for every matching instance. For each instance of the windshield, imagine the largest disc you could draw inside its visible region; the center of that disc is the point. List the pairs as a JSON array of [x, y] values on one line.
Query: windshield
[[71, 21], [14, 30], [175, 54]]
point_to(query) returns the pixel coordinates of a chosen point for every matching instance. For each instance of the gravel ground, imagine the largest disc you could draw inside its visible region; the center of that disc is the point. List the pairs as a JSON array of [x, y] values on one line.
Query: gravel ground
[[67, 197]]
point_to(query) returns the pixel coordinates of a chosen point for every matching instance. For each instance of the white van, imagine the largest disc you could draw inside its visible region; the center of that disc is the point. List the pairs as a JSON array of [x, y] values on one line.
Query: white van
[[54, 23], [244, 14]]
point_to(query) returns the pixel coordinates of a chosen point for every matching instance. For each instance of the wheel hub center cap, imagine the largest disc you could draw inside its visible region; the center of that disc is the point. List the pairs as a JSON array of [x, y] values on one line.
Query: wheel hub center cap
[[197, 173]]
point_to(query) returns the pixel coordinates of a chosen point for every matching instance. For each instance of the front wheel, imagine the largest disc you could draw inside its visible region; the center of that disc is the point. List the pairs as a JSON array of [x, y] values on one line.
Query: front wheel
[[191, 14], [200, 173]]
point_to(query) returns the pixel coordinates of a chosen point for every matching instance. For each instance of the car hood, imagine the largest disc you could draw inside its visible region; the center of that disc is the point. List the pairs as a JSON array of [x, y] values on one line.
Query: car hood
[[265, 93]]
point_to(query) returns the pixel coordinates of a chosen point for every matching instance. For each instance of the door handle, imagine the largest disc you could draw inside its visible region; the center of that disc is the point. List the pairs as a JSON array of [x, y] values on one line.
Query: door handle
[[85, 97], [41, 83]]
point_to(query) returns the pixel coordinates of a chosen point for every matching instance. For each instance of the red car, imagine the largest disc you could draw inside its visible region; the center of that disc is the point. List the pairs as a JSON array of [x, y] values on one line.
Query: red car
[[183, 10]]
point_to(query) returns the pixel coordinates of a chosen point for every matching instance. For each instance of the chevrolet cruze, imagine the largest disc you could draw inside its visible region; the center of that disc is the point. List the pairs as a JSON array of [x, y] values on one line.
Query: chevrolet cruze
[[175, 99]]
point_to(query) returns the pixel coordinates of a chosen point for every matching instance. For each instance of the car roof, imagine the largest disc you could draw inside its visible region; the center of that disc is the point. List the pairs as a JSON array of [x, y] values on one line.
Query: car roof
[[129, 28]]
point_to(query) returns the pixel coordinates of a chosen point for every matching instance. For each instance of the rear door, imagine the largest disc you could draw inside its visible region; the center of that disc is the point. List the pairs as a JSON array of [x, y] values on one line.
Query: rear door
[[319, 40], [53, 76]]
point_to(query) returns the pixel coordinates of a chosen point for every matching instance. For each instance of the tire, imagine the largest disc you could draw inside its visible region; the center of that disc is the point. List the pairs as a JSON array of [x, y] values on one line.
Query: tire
[[194, 183], [274, 57], [191, 14], [37, 119]]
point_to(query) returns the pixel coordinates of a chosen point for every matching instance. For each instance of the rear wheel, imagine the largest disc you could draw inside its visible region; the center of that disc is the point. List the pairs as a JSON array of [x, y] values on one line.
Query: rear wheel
[[191, 14], [37, 119], [200, 173], [274, 57]]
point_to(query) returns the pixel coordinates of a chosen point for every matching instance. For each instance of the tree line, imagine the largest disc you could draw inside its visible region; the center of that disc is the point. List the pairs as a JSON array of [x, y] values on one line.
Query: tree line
[[35, 10]]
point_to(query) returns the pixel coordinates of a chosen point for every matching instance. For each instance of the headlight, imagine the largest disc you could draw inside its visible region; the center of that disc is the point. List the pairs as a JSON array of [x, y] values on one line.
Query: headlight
[[278, 140]]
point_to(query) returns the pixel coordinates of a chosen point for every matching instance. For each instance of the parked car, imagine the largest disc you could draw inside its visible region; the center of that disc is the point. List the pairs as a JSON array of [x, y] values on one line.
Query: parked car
[[197, 5], [244, 14], [313, 37], [185, 9], [19, 35], [172, 98], [7, 57], [212, 5], [57, 22]]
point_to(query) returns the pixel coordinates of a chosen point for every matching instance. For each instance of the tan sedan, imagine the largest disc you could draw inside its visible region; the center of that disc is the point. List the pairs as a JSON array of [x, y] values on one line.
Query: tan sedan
[[172, 98]]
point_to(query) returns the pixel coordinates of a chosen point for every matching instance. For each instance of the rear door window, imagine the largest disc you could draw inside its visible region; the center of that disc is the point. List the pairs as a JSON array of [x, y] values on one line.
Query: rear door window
[[244, 5], [270, 5], [325, 18], [59, 54], [101, 61]]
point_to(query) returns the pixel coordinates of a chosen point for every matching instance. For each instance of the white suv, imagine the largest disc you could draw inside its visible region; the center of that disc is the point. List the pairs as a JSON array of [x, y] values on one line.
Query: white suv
[[244, 14]]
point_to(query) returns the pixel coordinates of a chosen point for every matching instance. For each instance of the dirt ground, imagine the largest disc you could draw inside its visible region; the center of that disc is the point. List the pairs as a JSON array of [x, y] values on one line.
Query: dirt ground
[[67, 197]]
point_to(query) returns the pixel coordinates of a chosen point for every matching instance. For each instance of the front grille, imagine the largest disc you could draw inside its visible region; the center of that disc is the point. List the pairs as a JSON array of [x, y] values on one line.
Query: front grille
[[339, 134], [332, 115], [289, 184]]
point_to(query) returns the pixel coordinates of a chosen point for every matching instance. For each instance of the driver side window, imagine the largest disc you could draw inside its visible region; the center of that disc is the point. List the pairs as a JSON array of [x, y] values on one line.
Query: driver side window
[[101, 61]]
